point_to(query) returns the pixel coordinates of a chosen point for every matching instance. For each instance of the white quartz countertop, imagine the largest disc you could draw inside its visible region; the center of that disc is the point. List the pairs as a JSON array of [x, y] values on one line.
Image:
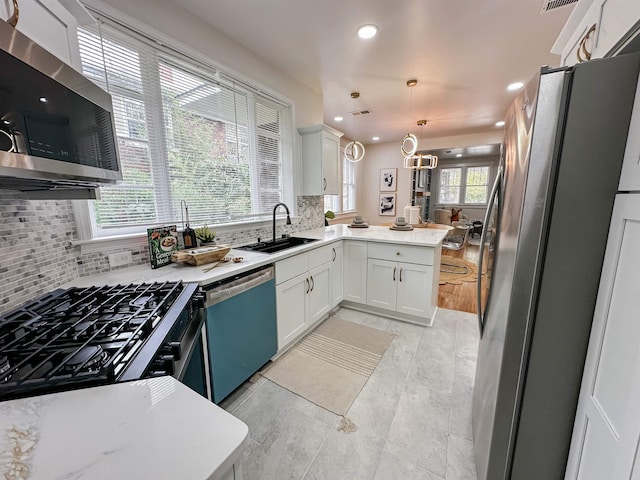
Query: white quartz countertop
[[425, 237], [149, 429]]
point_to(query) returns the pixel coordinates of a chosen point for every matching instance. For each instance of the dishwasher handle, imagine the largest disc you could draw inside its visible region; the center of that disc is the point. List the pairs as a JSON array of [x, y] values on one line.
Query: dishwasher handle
[[238, 286]]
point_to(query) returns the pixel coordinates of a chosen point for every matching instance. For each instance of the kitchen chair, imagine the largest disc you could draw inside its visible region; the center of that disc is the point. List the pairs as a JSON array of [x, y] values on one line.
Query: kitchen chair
[[457, 237]]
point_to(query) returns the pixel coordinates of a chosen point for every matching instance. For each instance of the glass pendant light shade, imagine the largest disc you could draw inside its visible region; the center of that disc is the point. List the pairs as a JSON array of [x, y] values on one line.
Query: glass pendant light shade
[[354, 151]]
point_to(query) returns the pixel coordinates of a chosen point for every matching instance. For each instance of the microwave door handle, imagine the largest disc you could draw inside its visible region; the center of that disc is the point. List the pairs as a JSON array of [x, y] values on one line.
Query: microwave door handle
[[495, 191]]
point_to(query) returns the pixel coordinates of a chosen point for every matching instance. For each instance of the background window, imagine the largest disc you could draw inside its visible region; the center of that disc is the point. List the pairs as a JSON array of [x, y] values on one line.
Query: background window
[[184, 133], [450, 183], [477, 185], [464, 185], [346, 201]]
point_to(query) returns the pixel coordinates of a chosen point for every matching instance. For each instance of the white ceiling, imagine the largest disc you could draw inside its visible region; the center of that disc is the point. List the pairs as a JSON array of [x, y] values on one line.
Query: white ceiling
[[463, 52]]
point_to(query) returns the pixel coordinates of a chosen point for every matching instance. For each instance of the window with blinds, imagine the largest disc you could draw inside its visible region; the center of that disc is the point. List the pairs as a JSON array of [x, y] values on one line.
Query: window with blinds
[[346, 201], [184, 133]]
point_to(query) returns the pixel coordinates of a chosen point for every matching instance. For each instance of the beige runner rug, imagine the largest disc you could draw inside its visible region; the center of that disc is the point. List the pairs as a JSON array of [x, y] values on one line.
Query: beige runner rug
[[330, 366]]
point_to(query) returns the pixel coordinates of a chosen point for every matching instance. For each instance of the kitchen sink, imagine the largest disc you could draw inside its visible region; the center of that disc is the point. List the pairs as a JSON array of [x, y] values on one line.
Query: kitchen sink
[[279, 244]]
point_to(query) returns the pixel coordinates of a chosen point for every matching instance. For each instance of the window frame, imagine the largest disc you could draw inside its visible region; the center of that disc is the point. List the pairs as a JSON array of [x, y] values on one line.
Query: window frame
[[463, 181], [171, 51]]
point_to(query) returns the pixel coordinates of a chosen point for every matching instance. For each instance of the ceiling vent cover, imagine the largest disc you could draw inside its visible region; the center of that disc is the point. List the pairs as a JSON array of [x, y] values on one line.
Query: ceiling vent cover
[[548, 5], [360, 112]]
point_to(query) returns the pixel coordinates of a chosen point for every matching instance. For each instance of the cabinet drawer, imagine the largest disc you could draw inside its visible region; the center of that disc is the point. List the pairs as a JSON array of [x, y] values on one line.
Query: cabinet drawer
[[320, 256], [401, 253], [291, 267]]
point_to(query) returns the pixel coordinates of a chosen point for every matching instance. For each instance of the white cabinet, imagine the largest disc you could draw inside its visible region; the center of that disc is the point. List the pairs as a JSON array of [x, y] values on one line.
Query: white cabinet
[[630, 176], [401, 287], [607, 426], [320, 160], [355, 271], [303, 293], [336, 274], [319, 293], [292, 309], [51, 25], [595, 27]]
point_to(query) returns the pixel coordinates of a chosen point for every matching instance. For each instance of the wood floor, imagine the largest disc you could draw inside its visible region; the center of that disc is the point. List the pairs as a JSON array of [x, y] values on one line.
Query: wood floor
[[460, 297]]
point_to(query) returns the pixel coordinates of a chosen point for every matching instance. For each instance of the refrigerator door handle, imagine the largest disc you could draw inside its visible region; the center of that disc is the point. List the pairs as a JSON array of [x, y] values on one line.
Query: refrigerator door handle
[[495, 192]]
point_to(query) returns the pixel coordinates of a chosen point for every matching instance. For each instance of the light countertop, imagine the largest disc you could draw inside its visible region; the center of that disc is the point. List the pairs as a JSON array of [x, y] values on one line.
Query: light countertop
[[424, 237], [147, 429]]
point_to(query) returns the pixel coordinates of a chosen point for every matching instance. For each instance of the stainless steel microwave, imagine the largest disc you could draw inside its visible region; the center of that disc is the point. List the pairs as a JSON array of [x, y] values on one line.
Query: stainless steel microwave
[[57, 133]]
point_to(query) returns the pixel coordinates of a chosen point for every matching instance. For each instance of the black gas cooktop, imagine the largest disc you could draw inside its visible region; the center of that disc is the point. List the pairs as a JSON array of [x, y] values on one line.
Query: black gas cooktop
[[92, 336]]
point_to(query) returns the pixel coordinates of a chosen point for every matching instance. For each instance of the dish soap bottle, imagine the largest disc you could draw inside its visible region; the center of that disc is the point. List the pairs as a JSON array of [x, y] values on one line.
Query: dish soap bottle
[[188, 233]]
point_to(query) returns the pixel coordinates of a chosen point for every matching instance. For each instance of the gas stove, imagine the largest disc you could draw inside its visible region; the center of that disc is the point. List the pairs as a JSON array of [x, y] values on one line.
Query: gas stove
[[82, 337]]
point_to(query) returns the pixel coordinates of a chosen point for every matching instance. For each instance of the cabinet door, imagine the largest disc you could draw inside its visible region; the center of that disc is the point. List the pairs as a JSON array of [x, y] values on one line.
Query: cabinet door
[[607, 427], [319, 293], [355, 272], [414, 289], [330, 164], [618, 17], [630, 176], [292, 309], [336, 274], [382, 278], [50, 25]]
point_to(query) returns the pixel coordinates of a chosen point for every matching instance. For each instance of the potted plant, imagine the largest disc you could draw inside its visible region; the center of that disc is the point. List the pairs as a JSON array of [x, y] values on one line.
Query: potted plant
[[206, 235], [328, 215]]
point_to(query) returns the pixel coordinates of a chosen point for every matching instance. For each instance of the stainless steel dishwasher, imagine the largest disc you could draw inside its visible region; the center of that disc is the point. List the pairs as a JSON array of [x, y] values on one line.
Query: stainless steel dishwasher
[[240, 331]]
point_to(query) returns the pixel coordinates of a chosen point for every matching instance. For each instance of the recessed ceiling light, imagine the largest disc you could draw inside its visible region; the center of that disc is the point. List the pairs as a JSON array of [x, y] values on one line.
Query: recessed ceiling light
[[500, 123], [515, 86], [458, 155], [338, 119], [43, 99], [375, 139], [367, 31]]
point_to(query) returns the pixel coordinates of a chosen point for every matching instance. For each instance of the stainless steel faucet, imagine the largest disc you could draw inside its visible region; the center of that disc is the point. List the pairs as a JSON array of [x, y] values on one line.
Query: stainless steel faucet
[[274, 218]]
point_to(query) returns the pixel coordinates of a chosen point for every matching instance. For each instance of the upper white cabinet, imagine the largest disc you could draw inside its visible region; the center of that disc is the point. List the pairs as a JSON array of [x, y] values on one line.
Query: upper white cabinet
[[594, 28], [52, 24], [320, 160], [630, 175]]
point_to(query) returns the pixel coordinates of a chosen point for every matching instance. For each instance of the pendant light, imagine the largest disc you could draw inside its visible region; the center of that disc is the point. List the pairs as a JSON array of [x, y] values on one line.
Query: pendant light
[[410, 142], [354, 150], [421, 161]]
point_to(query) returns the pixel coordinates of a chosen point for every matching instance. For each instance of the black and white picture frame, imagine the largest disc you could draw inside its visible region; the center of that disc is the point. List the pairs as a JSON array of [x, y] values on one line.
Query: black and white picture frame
[[387, 204], [388, 179]]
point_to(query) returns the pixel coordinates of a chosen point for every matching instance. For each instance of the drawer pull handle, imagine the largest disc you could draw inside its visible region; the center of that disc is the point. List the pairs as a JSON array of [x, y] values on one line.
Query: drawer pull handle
[[334, 254], [400, 273], [394, 273], [324, 184], [313, 284], [397, 253], [308, 285]]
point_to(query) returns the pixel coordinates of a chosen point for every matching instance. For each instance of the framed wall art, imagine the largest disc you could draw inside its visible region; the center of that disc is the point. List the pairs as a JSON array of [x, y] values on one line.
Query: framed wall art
[[388, 179], [387, 204]]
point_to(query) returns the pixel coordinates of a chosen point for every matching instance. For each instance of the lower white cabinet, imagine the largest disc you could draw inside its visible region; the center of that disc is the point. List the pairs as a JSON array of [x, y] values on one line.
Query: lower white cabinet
[[304, 292], [336, 274], [606, 432], [355, 271], [398, 286], [292, 306]]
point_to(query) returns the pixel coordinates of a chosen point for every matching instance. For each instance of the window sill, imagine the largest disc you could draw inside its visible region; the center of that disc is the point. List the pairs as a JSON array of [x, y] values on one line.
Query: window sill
[[118, 242]]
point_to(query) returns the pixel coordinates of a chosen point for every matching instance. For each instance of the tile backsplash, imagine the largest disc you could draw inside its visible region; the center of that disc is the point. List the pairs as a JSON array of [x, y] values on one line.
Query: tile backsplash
[[36, 254]]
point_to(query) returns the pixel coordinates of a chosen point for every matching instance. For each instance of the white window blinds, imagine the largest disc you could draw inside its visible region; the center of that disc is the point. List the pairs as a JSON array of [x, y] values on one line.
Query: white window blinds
[[184, 134]]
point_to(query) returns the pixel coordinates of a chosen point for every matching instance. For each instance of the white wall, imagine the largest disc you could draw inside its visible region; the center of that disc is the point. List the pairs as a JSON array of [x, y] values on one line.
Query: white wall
[[387, 155]]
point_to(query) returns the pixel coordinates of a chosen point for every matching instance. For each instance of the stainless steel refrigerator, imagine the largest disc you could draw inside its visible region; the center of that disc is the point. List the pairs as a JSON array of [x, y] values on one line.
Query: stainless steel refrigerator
[[544, 240]]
